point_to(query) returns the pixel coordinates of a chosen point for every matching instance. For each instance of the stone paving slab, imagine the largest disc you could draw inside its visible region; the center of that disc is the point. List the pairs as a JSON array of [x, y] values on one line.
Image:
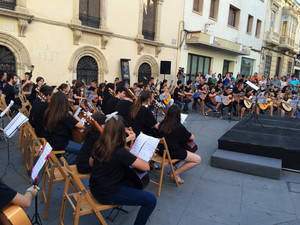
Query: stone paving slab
[[209, 196]]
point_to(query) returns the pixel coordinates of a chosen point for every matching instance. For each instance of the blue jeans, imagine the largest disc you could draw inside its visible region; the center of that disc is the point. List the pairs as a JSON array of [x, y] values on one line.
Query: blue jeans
[[298, 114], [134, 197], [73, 149], [185, 104]]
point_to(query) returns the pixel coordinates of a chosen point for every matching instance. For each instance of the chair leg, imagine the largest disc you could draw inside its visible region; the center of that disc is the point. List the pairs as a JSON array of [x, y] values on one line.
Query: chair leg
[[172, 169], [20, 137], [50, 183], [161, 175], [100, 218], [62, 210], [43, 192]]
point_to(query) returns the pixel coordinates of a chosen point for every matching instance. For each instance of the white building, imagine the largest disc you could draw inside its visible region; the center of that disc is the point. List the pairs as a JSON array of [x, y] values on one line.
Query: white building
[[222, 36]]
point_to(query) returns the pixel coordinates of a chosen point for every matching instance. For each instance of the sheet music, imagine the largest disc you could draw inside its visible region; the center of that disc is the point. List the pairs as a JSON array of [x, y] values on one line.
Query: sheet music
[[7, 108], [253, 86], [183, 117], [144, 146], [41, 161], [14, 124]]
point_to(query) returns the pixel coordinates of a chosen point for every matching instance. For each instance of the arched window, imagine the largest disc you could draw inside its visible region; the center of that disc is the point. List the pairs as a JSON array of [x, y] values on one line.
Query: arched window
[[149, 17], [7, 61], [144, 73], [87, 69], [89, 13]]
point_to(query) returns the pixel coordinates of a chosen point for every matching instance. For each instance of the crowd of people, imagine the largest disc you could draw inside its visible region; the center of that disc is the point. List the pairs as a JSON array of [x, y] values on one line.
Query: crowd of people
[[124, 112]]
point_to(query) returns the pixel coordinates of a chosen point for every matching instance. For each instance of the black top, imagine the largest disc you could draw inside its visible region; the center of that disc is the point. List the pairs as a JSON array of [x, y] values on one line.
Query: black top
[[175, 94], [109, 104], [86, 152], [36, 117], [9, 92], [6, 195], [144, 122], [107, 177], [123, 108], [91, 89], [33, 94], [187, 89], [2, 84], [176, 141], [62, 133]]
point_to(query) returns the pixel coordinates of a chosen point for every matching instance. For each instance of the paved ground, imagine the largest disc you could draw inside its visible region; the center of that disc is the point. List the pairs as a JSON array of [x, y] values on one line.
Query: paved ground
[[209, 196]]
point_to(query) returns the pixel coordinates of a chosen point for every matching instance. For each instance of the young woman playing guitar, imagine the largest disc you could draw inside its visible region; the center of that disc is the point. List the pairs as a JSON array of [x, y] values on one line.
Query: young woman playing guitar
[[111, 159]]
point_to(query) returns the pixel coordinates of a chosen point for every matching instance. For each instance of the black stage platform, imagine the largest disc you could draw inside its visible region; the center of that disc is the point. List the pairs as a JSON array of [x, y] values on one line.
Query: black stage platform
[[268, 136]]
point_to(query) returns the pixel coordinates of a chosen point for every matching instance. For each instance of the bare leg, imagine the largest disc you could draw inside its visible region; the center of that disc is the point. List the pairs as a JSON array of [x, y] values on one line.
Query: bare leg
[[190, 161], [271, 110], [282, 113], [243, 112]]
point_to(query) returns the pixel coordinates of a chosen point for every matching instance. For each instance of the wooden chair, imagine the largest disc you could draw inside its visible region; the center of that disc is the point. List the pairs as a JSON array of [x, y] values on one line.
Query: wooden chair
[[54, 173], [26, 106], [165, 160], [81, 200]]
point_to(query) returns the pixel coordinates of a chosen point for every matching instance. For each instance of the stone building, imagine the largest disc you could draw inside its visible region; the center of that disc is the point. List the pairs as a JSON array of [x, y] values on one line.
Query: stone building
[[89, 39], [222, 36], [281, 37]]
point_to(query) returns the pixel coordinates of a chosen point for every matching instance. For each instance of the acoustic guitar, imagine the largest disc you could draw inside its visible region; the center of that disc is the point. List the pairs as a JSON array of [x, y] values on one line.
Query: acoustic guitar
[[248, 103], [286, 105], [230, 99], [14, 215], [266, 105]]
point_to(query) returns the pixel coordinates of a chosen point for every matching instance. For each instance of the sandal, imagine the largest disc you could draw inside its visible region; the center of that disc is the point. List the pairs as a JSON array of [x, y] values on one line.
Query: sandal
[[179, 179]]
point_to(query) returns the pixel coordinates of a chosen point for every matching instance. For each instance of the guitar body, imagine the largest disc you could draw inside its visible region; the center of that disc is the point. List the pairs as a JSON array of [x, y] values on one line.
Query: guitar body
[[191, 146], [14, 215], [287, 105], [266, 105], [248, 103], [137, 179], [230, 99]]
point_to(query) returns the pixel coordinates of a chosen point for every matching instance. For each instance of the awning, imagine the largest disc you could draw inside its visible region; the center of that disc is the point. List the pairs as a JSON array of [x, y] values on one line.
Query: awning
[[198, 38]]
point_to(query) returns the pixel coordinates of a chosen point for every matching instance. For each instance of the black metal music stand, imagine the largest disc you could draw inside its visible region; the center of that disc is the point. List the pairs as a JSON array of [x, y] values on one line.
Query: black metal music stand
[[36, 219]]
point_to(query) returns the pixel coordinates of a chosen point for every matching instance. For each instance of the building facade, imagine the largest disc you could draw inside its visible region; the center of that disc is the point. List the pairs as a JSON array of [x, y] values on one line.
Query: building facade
[[89, 39], [281, 37], [222, 36]]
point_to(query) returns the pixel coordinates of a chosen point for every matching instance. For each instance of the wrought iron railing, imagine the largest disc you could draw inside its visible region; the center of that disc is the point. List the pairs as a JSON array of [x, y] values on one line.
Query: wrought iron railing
[[89, 21], [8, 4]]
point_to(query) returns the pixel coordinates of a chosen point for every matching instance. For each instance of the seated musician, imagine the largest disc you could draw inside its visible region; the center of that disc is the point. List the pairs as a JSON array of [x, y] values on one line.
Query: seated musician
[[78, 92], [100, 95], [238, 93], [176, 136], [35, 89], [3, 81], [210, 101], [93, 87], [163, 84], [141, 115], [248, 96], [187, 95], [27, 84], [166, 97], [287, 97], [38, 109], [59, 122], [9, 93], [92, 134], [123, 108], [10, 196], [178, 94], [228, 94], [109, 100], [265, 106], [201, 89], [108, 177]]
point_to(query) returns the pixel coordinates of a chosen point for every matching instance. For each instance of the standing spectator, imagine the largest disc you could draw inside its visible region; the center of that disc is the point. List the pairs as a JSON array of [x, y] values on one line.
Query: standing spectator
[[275, 82], [255, 79], [207, 76], [181, 74], [294, 83], [283, 82]]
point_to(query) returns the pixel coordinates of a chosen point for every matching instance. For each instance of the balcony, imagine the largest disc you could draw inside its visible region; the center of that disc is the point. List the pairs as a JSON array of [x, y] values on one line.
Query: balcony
[[272, 38], [8, 4], [287, 43], [199, 38]]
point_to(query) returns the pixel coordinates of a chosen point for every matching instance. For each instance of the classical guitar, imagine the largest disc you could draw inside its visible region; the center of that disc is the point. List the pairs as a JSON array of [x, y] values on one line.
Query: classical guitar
[[191, 146], [264, 106], [230, 99], [14, 215]]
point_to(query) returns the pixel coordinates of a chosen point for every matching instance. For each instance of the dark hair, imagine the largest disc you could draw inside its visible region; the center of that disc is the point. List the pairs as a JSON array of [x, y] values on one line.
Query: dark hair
[[172, 118], [120, 89], [188, 82], [94, 81], [102, 85], [46, 90], [56, 111], [179, 82], [10, 77], [107, 87], [135, 108], [38, 79], [62, 87], [112, 138]]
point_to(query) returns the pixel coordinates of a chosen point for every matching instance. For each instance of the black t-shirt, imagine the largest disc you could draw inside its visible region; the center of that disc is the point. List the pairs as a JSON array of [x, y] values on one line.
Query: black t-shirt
[[33, 94], [86, 152], [36, 117], [123, 108], [187, 89], [144, 122], [2, 84], [9, 92], [6, 195], [109, 104], [175, 94], [91, 89], [62, 133], [107, 177], [176, 141]]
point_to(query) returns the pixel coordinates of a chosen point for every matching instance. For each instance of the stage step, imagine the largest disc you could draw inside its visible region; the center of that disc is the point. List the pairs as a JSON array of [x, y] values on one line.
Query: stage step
[[245, 163]]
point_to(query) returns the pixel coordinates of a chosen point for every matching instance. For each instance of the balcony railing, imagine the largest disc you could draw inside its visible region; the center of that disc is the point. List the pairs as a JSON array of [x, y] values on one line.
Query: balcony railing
[[8, 4], [89, 21], [287, 43]]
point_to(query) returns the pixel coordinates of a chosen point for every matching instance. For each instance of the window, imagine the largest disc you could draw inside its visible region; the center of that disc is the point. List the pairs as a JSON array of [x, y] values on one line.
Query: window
[[249, 24], [284, 25], [272, 21], [268, 62], [89, 13], [258, 28], [289, 68], [8, 4], [198, 6], [214, 8], [197, 63], [149, 17], [234, 16]]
